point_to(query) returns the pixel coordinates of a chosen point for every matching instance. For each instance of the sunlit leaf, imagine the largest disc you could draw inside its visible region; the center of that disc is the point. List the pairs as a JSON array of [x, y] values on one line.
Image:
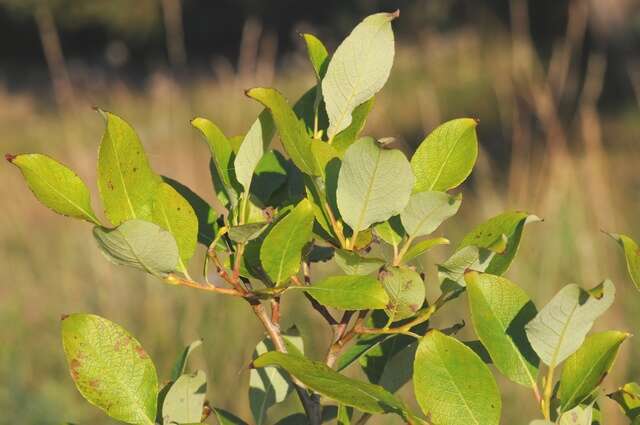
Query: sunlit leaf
[[252, 149], [374, 184], [499, 311], [632, 256], [55, 185], [352, 263], [318, 55], [406, 292], [560, 327], [349, 292], [93, 347], [126, 181], [346, 137], [427, 210], [184, 402], [358, 69], [423, 246], [585, 369], [452, 384]]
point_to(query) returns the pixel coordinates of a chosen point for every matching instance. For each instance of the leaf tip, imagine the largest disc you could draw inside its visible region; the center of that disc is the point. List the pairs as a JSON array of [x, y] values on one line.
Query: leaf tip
[[10, 157], [395, 15], [64, 316]]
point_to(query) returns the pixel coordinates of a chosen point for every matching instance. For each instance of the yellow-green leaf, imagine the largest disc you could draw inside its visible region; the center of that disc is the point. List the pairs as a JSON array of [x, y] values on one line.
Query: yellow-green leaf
[[110, 368], [632, 256], [126, 181], [349, 292], [55, 185]]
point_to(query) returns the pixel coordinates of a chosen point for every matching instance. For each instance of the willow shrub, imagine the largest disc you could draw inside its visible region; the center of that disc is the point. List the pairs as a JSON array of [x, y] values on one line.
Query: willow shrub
[[331, 194]]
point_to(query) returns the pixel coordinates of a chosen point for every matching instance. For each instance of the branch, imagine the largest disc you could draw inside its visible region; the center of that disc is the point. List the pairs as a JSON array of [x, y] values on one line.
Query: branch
[[178, 280]]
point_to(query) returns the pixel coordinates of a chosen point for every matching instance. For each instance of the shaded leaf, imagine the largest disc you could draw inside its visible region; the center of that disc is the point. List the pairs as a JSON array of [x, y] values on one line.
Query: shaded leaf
[[139, 244], [110, 368], [585, 369], [359, 69], [499, 311], [390, 231], [184, 402], [374, 184], [560, 327], [452, 384], [246, 232], [446, 157], [346, 137], [227, 418], [270, 175], [126, 181], [323, 153], [56, 186], [628, 398], [349, 292], [318, 55]]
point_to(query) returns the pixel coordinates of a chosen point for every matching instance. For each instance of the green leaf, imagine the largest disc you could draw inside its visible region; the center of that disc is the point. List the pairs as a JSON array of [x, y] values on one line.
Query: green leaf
[[206, 215], [446, 157], [227, 418], [485, 235], [344, 417], [353, 264], [359, 69], [293, 136], [499, 311], [174, 214], [585, 369], [267, 386], [349, 292], [310, 111], [110, 368], [139, 244], [632, 256], [184, 402], [221, 153], [55, 185], [346, 137], [374, 184], [423, 246], [390, 231], [628, 397], [323, 154], [317, 53], [406, 292], [246, 232], [252, 149], [426, 211], [270, 175], [362, 345], [329, 383], [181, 362], [560, 327], [399, 368], [452, 384], [126, 181], [470, 258], [577, 416], [281, 251]]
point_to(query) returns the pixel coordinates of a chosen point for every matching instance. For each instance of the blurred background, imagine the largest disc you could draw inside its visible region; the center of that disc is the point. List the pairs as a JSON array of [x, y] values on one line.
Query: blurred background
[[555, 84]]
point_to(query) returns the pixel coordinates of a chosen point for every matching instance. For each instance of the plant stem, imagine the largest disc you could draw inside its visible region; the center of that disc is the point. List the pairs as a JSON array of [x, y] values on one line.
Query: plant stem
[[397, 259], [310, 402], [177, 280], [548, 390]]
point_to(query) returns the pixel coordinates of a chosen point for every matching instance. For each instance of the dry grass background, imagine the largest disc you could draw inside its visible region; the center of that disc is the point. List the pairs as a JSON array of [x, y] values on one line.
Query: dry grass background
[[577, 172]]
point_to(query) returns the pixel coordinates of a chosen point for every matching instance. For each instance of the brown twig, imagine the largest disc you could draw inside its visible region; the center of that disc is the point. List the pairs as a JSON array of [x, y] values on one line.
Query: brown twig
[[178, 280]]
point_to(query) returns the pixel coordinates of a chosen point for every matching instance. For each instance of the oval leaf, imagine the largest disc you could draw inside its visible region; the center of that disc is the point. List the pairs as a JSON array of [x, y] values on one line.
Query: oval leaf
[[352, 263], [184, 402], [452, 384], [318, 55], [293, 136], [349, 292], [421, 247], [499, 311], [252, 149], [324, 380], [485, 235], [346, 137], [281, 251], [359, 69], [55, 185], [426, 211], [585, 369], [173, 213], [406, 292], [446, 157], [561, 326], [139, 244], [221, 152], [126, 181], [110, 368], [374, 184]]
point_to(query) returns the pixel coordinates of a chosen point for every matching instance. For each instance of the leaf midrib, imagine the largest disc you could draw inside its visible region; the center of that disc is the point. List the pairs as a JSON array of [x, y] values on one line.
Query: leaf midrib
[[446, 159], [121, 174], [367, 195]]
